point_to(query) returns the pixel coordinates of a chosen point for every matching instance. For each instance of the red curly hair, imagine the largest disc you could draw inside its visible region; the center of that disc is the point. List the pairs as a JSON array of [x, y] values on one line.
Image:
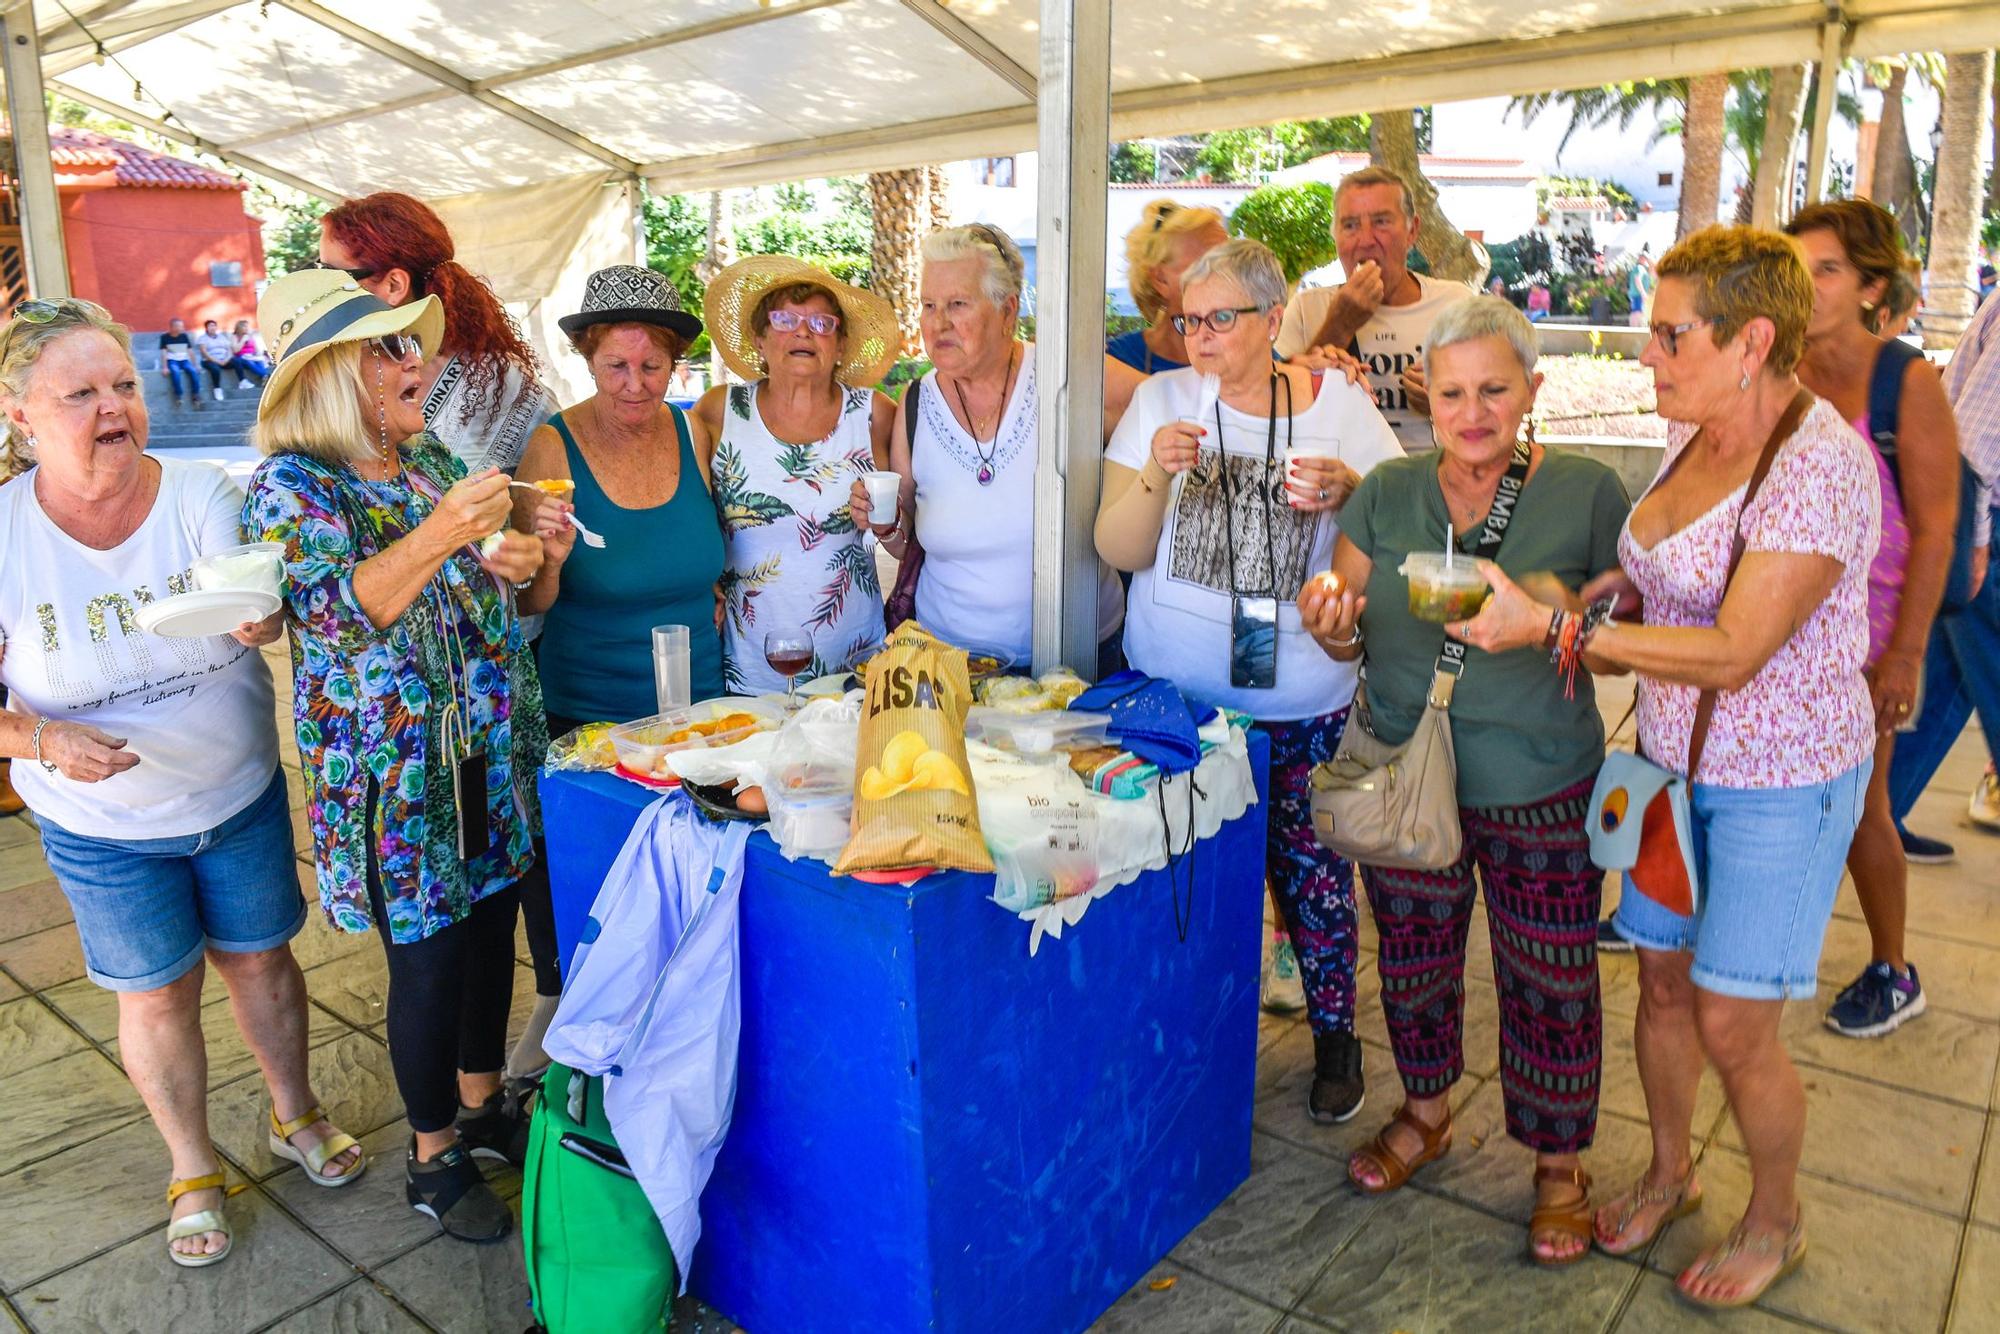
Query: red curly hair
[[388, 230]]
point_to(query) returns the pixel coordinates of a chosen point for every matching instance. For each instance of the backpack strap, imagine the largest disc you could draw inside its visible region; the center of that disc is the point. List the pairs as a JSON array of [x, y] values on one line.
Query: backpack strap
[[1885, 398]]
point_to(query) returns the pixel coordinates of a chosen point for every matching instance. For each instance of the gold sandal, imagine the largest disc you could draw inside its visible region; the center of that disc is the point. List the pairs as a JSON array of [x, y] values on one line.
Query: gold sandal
[[1394, 1169], [202, 1220], [1790, 1249], [315, 1159], [1682, 1197], [1562, 1220]]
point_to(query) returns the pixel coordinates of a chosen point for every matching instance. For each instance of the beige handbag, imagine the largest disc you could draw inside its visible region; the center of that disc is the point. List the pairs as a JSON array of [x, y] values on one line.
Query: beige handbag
[[1384, 805]]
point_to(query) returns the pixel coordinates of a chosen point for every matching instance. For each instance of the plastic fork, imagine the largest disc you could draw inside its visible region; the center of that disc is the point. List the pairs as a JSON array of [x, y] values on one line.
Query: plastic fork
[[590, 539]]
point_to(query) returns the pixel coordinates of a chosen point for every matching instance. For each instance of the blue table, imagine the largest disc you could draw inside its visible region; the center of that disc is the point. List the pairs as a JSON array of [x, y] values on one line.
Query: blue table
[[934, 1131]]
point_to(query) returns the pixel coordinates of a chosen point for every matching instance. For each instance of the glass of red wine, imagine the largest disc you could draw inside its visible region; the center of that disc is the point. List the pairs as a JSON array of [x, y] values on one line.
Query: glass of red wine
[[789, 651]]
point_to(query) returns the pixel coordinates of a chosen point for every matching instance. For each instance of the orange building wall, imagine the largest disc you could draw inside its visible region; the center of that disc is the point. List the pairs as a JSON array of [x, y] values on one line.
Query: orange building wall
[[144, 253]]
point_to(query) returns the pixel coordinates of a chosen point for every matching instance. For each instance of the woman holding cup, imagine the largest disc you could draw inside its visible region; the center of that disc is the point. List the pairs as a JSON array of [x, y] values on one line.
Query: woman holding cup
[[789, 445], [1528, 748], [1221, 488]]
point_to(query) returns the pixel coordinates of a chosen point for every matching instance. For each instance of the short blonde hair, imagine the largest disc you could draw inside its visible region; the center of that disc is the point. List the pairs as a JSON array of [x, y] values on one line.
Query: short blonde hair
[[22, 343], [1150, 245], [1743, 273], [321, 414]]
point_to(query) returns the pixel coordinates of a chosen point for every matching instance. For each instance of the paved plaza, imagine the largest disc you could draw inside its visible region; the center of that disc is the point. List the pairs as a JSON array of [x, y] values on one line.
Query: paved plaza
[[1901, 1175]]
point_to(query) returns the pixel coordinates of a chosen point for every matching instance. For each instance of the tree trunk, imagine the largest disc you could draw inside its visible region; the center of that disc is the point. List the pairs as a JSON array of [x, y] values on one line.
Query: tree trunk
[[1392, 143], [1771, 191], [1895, 184], [938, 187], [721, 254], [1954, 292], [899, 205], [1701, 153]]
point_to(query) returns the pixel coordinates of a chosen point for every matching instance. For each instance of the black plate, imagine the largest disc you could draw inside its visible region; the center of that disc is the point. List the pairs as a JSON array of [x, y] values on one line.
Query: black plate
[[717, 802]]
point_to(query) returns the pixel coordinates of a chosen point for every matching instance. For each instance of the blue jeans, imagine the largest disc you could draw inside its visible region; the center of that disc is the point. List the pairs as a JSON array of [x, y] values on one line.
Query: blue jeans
[[1961, 675], [146, 909], [177, 369], [1770, 861]]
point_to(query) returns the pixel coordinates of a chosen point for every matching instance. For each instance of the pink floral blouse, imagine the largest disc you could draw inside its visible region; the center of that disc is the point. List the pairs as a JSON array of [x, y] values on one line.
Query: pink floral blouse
[[1806, 717]]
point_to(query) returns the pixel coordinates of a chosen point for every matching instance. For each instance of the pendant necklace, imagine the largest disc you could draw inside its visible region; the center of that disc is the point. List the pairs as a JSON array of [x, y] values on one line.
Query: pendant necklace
[[987, 449]]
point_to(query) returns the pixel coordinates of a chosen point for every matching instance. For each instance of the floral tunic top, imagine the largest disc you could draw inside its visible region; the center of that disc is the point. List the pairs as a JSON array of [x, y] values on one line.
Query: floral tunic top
[[795, 557], [1806, 717], [369, 703]]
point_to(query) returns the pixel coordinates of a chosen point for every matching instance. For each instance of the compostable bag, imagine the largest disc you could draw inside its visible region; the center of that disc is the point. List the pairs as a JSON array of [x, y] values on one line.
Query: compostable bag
[[913, 802]]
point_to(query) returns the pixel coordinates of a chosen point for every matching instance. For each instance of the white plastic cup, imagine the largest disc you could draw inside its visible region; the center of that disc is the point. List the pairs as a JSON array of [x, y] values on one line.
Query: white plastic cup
[[883, 488], [1298, 489], [670, 667]]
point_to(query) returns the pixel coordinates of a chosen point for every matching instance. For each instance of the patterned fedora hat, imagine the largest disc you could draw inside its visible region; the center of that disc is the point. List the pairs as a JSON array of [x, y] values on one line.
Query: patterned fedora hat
[[628, 294]]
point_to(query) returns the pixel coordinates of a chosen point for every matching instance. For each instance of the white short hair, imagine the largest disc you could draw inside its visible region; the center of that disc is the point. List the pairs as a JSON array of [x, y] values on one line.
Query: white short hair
[[1004, 268], [1484, 316], [1248, 264]]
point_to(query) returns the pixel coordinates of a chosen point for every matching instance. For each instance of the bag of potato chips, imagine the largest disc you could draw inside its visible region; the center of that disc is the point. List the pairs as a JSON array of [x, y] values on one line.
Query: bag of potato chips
[[913, 802]]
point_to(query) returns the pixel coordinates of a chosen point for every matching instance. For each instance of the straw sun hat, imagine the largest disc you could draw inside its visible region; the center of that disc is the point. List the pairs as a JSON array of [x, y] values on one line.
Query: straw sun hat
[[306, 312], [867, 322]]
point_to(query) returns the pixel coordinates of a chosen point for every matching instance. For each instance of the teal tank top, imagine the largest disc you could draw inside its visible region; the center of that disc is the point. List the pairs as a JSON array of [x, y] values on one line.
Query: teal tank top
[[658, 566]]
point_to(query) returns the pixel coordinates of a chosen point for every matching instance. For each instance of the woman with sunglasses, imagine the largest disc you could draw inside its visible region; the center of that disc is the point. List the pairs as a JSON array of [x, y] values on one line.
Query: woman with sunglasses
[[1224, 507], [419, 714], [1167, 239], [151, 764], [789, 445], [965, 443], [1781, 778]]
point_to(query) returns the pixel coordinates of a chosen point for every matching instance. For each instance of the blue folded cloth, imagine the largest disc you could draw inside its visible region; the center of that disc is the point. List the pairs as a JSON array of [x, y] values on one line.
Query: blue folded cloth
[[1149, 717]]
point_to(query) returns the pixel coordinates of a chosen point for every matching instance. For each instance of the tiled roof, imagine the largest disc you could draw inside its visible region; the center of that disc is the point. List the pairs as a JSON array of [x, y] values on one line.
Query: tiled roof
[[1578, 203], [136, 166]]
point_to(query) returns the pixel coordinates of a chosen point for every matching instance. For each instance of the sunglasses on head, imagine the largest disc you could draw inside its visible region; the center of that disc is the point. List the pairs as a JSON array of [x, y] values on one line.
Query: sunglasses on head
[[43, 310], [397, 346], [786, 321]]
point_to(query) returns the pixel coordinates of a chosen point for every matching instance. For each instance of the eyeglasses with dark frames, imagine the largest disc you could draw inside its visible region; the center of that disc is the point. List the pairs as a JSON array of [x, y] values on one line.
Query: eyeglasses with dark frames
[[1670, 334], [1219, 320]]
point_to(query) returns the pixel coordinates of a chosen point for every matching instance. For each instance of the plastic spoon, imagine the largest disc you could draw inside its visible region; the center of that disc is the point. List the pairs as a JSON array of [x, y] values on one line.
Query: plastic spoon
[[590, 539]]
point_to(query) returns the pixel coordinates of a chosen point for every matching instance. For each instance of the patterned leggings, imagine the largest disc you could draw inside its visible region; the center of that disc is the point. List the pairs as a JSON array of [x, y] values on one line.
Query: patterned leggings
[[1541, 905], [1313, 886]]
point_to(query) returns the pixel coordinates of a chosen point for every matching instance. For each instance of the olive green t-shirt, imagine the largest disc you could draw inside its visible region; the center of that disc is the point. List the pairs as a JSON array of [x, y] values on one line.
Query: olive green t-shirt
[[1517, 739]]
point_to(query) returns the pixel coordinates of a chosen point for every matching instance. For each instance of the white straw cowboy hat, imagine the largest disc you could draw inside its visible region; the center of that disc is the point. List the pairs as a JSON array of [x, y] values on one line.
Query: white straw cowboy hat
[[628, 294], [305, 312], [867, 322]]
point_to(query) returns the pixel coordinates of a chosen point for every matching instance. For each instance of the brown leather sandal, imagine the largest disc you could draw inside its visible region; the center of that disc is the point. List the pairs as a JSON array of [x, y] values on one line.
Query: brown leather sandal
[[1393, 1169], [1575, 1221]]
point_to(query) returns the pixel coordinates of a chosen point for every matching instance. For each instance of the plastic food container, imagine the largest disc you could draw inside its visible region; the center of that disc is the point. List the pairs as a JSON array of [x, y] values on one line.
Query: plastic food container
[[1442, 594], [810, 810], [643, 744], [258, 565], [1037, 733]]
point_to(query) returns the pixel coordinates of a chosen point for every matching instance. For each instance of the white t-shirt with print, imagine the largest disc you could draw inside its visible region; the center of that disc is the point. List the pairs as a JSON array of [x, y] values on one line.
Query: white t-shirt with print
[[197, 712], [1178, 616], [1390, 343], [219, 347]]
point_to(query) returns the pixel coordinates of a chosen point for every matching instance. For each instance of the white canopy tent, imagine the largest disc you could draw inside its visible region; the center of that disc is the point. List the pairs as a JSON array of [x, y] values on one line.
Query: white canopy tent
[[528, 121]]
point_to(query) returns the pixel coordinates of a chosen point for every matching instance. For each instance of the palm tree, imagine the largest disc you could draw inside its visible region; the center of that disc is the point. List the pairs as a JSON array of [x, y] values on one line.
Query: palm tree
[[1894, 183], [1674, 110], [1955, 200], [1392, 143], [1765, 126], [900, 206]]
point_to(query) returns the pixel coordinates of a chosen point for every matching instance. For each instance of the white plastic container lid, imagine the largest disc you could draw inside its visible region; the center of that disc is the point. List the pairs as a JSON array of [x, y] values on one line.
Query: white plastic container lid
[[1036, 733]]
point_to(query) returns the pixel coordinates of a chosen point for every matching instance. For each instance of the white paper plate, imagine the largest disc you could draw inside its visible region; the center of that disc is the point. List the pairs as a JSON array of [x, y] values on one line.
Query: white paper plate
[[196, 615]]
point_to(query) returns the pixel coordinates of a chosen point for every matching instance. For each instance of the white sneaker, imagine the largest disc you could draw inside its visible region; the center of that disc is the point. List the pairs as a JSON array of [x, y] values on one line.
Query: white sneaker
[[1282, 990], [218, 394], [1984, 807]]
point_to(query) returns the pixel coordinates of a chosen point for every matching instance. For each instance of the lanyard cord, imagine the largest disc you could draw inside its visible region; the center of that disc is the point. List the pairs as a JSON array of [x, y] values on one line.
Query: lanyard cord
[[1229, 492]]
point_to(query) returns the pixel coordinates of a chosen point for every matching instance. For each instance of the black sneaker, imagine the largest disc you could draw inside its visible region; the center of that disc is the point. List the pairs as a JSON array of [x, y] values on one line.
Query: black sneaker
[[1877, 1003], [1337, 1091], [1925, 851], [498, 1127], [1609, 941], [451, 1189]]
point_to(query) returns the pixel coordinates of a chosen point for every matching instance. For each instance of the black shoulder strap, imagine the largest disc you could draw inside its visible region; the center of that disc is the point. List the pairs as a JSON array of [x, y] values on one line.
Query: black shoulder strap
[[910, 398], [1885, 397], [1508, 494]]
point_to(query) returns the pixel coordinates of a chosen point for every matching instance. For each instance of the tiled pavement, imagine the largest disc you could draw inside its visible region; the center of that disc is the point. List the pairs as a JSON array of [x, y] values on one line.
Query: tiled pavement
[[1901, 1172]]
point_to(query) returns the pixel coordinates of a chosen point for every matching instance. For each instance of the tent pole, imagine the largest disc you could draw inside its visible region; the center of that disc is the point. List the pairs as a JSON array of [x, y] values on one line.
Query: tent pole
[[1830, 35], [1074, 121], [41, 212]]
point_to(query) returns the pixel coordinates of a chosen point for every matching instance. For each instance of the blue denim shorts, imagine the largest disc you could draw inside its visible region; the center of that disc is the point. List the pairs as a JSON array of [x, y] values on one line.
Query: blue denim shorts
[[1770, 861], [147, 908]]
